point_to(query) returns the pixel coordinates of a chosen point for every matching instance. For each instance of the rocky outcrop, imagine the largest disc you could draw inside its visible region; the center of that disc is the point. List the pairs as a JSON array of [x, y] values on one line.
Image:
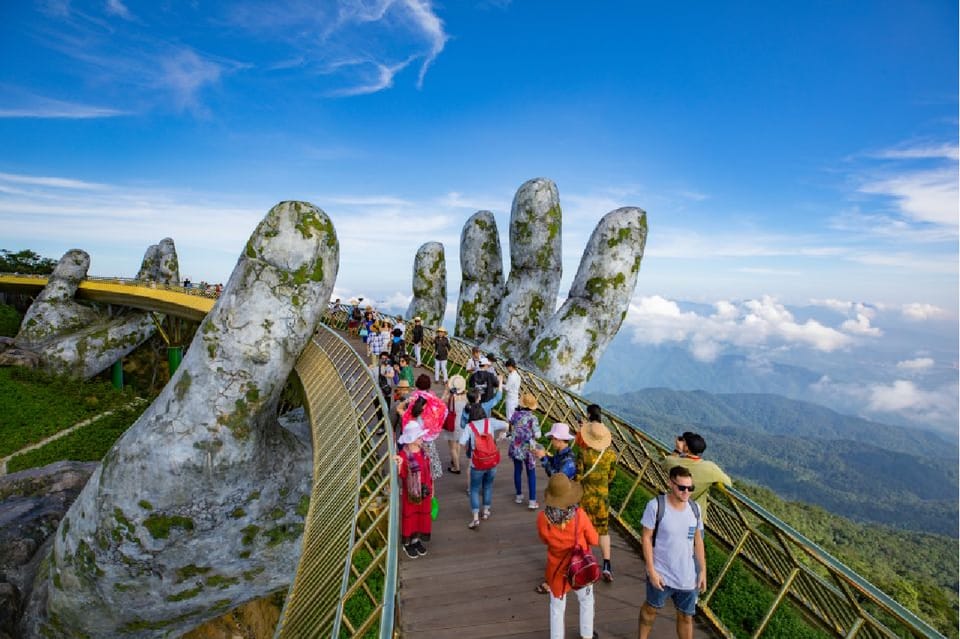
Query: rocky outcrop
[[481, 283], [568, 348], [429, 285], [72, 338], [199, 507], [160, 263], [535, 269], [32, 503]]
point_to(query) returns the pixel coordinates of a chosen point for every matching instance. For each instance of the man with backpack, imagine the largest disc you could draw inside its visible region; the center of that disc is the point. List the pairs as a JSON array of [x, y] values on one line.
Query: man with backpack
[[485, 382], [417, 338], [673, 553], [479, 436]]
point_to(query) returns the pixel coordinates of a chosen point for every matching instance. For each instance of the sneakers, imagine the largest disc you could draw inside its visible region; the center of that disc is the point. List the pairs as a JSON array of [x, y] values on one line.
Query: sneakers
[[533, 505], [518, 499], [420, 548], [411, 551]]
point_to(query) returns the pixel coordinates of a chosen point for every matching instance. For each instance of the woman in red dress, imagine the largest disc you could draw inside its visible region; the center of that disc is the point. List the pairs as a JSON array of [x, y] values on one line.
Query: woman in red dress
[[416, 490]]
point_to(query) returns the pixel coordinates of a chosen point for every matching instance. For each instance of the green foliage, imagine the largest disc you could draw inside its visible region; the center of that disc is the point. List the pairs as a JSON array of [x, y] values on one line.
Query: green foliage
[[9, 321], [35, 405], [360, 605], [25, 262], [89, 443]]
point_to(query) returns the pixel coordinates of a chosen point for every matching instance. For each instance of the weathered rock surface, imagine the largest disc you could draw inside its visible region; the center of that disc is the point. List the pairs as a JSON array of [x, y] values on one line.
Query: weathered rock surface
[[160, 263], [6, 343], [567, 350], [199, 506], [429, 285], [19, 357], [80, 340], [481, 286], [531, 290], [32, 503]]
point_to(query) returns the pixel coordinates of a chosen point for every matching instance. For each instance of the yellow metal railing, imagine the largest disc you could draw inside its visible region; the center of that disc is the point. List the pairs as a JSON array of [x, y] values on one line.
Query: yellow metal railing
[[345, 584], [828, 593]]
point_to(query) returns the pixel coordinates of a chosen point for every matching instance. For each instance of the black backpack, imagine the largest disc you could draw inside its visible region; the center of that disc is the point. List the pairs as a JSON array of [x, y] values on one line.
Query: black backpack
[[384, 384]]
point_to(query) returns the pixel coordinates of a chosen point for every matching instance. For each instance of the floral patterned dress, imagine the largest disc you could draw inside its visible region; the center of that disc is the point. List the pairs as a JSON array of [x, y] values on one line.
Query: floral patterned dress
[[526, 429], [596, 484]]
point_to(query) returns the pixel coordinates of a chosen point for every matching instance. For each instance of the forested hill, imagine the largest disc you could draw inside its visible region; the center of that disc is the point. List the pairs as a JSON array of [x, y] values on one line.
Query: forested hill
[[850, 466]]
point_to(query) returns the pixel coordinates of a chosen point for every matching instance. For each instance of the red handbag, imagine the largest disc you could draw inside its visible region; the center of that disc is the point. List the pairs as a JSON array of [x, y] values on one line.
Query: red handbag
[[450, 421], [583, 569]]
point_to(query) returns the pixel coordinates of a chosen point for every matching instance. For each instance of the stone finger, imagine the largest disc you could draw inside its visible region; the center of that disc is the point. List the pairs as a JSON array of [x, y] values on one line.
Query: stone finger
[[481, 284], [429, 285]]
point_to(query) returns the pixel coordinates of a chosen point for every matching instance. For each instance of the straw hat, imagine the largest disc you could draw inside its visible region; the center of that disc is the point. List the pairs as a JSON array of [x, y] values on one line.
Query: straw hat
[[442, 330], [417, 319], [354, 301], [560, 492], [595, 435], [560, 431], [527, 400], [402, 384], [458, 383], [411, 433]]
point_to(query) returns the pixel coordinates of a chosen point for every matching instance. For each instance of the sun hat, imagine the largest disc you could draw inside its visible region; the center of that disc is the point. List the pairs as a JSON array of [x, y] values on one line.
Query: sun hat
[[484, 361], [596, 435], [402, 384], [458, 384], [411, 433], [441, 330], [561, 492], [417, 319], [354, 301], [560, 431], [528, 400]]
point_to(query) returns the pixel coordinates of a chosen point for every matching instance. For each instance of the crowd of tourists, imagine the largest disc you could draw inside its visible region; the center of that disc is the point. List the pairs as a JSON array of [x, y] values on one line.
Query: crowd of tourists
[[580, 467]]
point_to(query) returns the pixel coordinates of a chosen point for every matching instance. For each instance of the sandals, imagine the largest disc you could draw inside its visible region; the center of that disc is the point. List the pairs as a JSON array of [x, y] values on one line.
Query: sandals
[[473, 525], [486, 514], [450, 469], [543, 588]]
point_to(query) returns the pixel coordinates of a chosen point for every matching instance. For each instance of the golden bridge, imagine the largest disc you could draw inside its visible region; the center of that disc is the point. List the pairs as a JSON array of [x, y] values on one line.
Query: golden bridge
[[350, 581]]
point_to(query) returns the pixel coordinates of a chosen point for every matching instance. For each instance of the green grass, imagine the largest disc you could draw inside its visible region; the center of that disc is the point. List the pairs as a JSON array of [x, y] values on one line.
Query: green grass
[[742, 599], [359, 606], [89, 443], [34, 405], [9, 321]]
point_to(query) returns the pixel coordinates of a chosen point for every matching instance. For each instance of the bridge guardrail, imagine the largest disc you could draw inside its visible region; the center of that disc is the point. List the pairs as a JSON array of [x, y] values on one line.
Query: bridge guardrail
[[825, 590]]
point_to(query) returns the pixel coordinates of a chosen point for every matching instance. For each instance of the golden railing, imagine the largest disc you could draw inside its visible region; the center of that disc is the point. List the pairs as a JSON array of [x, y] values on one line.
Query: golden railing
[[830, 595], [345, 584]]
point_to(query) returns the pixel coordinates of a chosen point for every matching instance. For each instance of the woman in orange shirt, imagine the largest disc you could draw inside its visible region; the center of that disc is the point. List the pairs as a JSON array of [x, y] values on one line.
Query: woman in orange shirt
[[556, 524]]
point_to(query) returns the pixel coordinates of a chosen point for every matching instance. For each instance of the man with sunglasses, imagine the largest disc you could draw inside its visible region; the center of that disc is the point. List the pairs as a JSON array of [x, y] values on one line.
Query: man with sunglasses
[[674, 556]]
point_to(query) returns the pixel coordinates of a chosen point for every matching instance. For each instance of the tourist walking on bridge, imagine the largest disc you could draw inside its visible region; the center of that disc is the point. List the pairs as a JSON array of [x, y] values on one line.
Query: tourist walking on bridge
[[526, 430], [561, 526], [455, 399], [416, 491], [562, 460], [441, 351], [596, 468], [673, 553], [481, 438], [417, 339]]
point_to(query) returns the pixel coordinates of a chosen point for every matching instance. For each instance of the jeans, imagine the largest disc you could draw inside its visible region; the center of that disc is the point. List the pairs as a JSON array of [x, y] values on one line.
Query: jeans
[[518, 467], [490, 403], [481, 480], [559, 604], [439, 365]]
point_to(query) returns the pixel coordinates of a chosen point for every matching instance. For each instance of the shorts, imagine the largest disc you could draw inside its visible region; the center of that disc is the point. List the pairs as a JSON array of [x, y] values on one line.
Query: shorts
[[684, 600]]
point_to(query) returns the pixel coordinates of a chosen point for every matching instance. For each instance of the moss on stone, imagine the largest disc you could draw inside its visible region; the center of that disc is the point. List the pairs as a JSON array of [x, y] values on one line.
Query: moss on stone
[[190, 571], [183, 384], [238, 421], [303, 505], [122, 587], [544, 352], [185, 594], [249, 251], [244, 554], [622, 234], [237, 513], [597, 286], [85, 564], [252, 496], [309, 223], [575, 310], [146, 505], [283, 533], [250, 575], [209, 445], [277, 513], [126, 529], [222, 582], [249, 534], [159, 525]]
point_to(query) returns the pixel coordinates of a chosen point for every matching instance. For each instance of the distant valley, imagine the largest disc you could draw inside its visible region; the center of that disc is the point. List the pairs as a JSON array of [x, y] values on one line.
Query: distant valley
[[856, 468]]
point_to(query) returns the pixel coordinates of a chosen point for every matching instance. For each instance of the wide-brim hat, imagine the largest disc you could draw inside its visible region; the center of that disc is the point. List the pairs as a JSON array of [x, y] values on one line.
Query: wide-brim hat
[[528, 400], [560, 431], [458, 383], [561, 492], [417, 319], [596, 435], [411, 433], [403, 384], [441, 330], [353, 300]]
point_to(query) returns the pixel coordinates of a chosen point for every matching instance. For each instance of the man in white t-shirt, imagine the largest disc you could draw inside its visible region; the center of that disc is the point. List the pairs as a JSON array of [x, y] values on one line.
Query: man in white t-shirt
[[673, 553]]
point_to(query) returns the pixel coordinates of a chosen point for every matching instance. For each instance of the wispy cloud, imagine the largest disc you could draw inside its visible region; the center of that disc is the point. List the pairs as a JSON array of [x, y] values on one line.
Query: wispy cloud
[[117, 8], [919, 311], [921, 196], [917, 364]]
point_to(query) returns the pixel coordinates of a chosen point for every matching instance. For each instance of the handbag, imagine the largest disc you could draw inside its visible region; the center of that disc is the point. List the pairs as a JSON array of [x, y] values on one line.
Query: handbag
[[583, 569], [450, 421]]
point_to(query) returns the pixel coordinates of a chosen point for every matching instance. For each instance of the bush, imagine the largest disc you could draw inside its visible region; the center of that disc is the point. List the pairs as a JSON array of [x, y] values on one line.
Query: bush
[[9, 321]]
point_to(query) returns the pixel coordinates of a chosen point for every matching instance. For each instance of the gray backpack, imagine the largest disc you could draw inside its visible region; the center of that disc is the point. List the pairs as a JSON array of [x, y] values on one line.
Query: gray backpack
[[661, 504]]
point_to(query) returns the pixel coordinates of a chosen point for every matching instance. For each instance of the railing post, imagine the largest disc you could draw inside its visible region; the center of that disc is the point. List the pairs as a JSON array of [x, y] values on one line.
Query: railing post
[[117, 374], [174, 357]]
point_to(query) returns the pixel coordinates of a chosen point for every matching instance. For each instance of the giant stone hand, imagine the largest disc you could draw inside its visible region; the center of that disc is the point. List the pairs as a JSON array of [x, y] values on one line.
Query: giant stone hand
[[76, 339], [565, 345], [198, 507]]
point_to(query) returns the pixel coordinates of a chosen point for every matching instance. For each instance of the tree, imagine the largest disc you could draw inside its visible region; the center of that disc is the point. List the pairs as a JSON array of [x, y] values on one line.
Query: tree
[[25, 261]]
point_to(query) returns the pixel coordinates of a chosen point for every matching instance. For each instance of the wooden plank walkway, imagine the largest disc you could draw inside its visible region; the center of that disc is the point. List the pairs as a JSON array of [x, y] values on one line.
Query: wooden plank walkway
[[476, 584]]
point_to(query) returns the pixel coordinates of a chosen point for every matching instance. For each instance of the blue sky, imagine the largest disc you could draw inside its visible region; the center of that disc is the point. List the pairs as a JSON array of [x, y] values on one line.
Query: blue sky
[[786, 154]]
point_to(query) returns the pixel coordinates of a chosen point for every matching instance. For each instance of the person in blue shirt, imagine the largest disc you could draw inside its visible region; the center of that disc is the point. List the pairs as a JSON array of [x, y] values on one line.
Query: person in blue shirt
[[562, 460]]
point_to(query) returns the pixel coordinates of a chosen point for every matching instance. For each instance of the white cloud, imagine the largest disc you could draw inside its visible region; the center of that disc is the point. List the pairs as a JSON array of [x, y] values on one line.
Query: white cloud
[[922, 196], [901, 395], [919, 311], [755, 324], [917, 364], [861, 326], [185, 73], [117, 8], [924, 151]]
